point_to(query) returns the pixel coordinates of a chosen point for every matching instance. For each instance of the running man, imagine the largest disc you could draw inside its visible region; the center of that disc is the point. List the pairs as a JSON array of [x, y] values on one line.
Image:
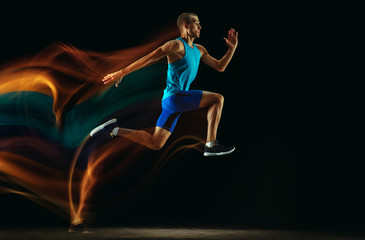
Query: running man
[[183, 58]]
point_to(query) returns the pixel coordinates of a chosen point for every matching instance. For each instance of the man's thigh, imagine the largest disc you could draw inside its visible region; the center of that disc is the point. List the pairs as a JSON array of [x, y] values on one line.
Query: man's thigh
[[184, 101], [209, 98]]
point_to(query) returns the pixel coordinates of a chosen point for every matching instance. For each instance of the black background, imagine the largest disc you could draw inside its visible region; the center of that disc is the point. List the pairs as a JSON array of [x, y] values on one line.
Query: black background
[[294, 166]]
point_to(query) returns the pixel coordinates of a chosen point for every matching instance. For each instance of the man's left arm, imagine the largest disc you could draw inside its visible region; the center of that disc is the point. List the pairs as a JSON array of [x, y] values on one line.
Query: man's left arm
[[220, 65]]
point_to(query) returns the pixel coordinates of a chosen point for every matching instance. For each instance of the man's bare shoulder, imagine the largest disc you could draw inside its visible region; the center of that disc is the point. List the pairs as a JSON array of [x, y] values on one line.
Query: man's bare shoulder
[[174, 50], [201, 48], [172, 46]]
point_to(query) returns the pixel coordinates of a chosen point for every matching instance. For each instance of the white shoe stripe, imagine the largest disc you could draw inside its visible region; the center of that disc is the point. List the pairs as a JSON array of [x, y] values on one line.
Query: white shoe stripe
[[97, 129], [208, 154]]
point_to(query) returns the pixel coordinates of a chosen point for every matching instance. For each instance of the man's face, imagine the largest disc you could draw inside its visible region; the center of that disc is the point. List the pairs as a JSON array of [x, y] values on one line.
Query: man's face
[[194, 27]]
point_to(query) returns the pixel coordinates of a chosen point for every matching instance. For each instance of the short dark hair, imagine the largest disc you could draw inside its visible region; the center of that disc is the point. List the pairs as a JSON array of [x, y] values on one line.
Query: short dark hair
[[184, 18]]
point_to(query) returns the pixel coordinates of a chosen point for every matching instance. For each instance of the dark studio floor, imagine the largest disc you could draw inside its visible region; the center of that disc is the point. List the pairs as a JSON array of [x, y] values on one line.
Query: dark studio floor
[[171, 233]]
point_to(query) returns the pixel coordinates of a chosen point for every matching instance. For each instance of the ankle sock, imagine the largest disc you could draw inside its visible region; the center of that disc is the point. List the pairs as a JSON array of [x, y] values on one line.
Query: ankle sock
[[210, 144], [115, 131]]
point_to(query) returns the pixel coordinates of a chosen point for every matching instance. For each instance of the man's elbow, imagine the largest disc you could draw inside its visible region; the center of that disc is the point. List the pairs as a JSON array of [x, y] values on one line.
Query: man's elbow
[[221, 68]]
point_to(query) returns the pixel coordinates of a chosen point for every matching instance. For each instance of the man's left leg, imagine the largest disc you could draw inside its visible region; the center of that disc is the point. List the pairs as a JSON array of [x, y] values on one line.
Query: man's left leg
[[214, 102]]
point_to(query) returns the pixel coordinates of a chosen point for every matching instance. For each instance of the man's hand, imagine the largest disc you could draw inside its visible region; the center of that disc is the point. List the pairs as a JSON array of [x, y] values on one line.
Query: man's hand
[[114, 77], [232, 40]]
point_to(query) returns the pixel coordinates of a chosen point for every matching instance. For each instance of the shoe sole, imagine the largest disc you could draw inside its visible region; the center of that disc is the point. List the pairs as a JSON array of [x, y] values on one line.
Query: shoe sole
[[208, 154], [99, 128]]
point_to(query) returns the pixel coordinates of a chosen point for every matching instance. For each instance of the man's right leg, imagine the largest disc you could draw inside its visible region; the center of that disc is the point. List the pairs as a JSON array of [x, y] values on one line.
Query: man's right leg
[[154, 141]]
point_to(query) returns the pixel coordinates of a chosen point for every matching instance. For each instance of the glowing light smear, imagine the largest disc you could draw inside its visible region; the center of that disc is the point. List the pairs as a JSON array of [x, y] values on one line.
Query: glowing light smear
[[48, 106]]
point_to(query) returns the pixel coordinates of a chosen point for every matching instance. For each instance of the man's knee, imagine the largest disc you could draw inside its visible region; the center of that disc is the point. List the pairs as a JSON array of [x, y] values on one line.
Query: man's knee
[[157, 145], [159, 139], [219, 99], [210, 99]]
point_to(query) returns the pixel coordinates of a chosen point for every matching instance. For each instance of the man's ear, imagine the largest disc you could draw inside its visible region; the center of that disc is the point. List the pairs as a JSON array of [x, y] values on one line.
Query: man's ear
[[185, 25]]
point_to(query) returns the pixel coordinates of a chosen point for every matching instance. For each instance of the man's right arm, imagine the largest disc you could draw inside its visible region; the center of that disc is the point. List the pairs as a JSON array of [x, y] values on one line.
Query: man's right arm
[[159, 53]]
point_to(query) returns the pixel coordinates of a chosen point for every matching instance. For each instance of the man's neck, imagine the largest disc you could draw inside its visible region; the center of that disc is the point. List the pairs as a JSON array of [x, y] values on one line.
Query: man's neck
[[188, 39]]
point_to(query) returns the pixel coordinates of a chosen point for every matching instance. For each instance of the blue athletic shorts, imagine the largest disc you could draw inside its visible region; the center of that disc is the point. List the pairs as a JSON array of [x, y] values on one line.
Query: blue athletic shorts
[[173, 106]]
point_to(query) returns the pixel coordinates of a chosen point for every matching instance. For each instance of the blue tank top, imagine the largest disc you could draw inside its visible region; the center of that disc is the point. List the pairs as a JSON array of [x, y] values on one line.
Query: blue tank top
[[181, 74]]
